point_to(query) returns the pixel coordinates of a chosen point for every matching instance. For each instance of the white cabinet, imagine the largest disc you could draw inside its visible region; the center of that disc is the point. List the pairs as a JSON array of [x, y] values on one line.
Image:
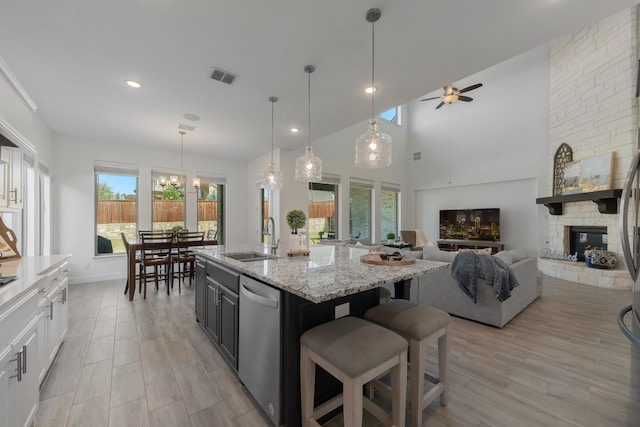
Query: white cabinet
[[26, 377], [55, 316], [7, 387], [11, 178], [19, 376], [33, 322]]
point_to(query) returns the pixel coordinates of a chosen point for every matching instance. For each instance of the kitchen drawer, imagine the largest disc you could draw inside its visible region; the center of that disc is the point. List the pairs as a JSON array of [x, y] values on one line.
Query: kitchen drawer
[[226, 277]]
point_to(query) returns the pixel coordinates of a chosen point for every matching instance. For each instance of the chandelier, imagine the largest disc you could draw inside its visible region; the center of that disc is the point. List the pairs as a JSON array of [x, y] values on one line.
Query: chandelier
[[176, 181]]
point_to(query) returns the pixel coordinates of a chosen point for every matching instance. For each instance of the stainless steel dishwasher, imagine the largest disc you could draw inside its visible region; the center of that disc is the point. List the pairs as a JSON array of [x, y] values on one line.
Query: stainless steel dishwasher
[[259, 344]]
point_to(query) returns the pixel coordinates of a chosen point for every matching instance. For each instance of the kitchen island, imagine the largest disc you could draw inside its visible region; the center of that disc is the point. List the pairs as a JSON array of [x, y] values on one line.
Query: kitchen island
[[331, 282]]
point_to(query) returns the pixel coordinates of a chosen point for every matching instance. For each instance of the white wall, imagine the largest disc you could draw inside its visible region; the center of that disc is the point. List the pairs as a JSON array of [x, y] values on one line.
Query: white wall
[[488, 153], [73, 188], [518, 218]]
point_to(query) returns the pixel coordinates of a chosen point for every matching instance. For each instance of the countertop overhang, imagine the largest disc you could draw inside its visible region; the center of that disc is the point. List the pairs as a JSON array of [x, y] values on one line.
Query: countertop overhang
[[328, 272]]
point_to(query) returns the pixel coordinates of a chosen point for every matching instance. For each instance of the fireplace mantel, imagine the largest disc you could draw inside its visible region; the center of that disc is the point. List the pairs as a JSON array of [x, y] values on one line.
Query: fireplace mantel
[[607, 201]]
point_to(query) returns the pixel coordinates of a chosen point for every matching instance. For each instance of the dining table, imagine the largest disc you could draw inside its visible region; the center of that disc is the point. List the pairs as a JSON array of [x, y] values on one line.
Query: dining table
[[135, 246]]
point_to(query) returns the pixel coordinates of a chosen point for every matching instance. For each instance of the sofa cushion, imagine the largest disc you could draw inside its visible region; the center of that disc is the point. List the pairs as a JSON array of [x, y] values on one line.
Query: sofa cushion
[[518, 254], [505, 256], [442, 256]]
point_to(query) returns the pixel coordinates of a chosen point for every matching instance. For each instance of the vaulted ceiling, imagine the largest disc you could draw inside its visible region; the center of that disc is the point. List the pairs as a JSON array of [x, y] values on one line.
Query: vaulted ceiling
[[73, 58]]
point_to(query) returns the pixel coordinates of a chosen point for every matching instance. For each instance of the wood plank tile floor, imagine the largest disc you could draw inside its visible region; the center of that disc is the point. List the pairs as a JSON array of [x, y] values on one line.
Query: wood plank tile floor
[[561, 362]]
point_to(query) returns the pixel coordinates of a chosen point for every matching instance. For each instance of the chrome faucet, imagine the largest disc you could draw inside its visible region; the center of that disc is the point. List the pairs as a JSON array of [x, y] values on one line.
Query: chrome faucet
[[273, 246]]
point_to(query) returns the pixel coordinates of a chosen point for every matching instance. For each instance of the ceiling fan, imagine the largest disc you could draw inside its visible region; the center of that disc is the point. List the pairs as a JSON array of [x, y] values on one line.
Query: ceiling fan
[[452, 94]]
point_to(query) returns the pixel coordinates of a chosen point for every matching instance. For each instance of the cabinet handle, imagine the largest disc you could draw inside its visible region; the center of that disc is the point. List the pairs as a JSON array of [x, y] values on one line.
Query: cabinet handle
[[18, 360], [15, 195], [24, 359], [218, 296], [51, 310], [64, 295]]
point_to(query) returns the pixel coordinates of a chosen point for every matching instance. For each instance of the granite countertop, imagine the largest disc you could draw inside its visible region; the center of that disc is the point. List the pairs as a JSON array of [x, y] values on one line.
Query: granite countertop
[[29, 271], [328, 272]]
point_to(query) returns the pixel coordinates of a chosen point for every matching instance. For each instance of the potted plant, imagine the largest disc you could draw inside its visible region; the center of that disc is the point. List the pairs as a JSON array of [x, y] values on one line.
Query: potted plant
[[174, 231], [296, 219], [390, 238]]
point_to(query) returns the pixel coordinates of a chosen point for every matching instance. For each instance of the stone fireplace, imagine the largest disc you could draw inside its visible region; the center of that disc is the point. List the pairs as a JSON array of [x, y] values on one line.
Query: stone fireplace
[[584, 115]]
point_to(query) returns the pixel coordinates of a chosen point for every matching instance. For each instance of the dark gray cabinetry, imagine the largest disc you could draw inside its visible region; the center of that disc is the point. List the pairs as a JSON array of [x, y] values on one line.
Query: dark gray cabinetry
[[217, 306], [201, 289]]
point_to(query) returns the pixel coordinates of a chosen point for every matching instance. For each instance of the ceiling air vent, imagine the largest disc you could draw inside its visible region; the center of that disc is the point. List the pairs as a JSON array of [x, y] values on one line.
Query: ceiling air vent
[[223, 76], [417, 155]]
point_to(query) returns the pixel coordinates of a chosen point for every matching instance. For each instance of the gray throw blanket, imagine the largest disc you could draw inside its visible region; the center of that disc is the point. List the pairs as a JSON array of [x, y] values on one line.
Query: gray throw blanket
[[467, 266]]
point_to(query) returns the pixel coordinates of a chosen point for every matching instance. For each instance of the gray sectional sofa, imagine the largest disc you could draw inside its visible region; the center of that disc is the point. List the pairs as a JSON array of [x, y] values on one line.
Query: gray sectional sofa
[[439, 289]]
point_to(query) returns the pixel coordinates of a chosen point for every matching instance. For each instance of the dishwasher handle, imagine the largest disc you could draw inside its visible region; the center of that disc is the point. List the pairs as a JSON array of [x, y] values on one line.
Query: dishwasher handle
[[258, 298]]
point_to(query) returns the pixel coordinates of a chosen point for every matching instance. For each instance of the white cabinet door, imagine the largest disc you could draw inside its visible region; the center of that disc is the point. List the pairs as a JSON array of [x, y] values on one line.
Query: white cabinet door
[[4, 178], [11, 178], [7, 385], [25, 347], [15, 181], [63, 315], [51, 314]]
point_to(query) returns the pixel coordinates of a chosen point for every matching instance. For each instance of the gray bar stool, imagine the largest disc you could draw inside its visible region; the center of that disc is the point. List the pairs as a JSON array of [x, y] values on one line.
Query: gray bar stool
[[355, 352], [420, 325]]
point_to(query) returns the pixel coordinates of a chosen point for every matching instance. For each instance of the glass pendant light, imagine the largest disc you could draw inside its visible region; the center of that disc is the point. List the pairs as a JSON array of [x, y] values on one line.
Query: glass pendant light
[[373, 148], [308, 166], [271, 177]]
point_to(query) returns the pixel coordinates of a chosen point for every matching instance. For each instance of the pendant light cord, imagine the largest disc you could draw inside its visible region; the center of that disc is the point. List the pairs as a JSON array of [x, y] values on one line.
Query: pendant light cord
[[309, 105], [272, 102], [182, 154], [373, 57]]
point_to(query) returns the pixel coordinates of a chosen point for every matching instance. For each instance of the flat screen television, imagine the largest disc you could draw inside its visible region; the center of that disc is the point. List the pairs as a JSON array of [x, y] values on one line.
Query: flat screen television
[[470, 224]]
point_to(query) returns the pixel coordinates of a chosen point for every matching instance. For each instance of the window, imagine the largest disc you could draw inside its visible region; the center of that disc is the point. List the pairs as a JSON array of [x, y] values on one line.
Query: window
[[30, 209], [168, 206], [323, 212], [116, 206], [392, 115], [211, 208], [44, 198], [389, 215], [264, 202], [360, 209]]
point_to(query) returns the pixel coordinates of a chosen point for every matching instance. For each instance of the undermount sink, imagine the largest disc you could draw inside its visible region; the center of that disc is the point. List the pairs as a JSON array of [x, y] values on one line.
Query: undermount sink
[[250, 256]]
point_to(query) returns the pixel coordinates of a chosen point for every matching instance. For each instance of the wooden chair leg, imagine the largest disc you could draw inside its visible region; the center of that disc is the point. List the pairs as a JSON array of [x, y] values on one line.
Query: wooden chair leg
[[399, 387], [307, 385], [417, 381], [352, 394], [443, 365]]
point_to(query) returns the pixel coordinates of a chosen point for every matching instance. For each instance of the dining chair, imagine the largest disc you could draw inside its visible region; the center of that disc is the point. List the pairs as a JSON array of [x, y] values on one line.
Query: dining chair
[[185, 257], [156, 255], [137, 267], [152, 232]]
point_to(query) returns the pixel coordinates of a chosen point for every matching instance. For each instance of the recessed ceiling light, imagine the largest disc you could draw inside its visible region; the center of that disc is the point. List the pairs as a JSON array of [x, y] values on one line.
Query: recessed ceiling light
[[192, 117], [133, 84], [370, 89], [294, 130]]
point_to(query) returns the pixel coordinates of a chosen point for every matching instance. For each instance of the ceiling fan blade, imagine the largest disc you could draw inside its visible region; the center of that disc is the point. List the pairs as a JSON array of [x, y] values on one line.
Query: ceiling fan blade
[[467, 89], [464, 98], [427, 99], [440, 105]]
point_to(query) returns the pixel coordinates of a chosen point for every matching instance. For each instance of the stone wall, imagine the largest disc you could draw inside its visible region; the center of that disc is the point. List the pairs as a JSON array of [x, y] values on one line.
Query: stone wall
[[593, 110]]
